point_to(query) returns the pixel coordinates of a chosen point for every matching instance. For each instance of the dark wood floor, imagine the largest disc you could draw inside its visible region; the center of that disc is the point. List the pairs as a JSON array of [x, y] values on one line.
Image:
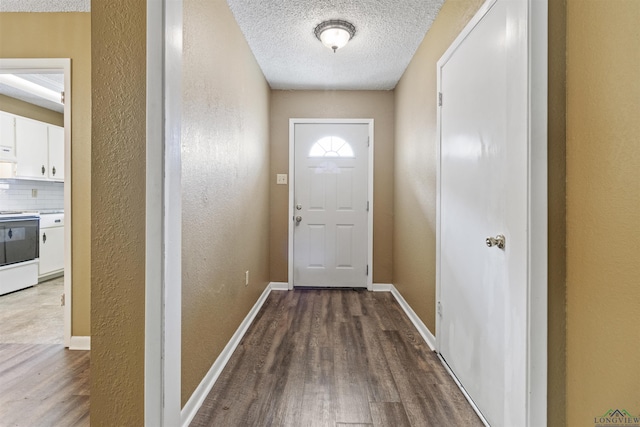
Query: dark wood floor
[[334, 358], [41, 382]]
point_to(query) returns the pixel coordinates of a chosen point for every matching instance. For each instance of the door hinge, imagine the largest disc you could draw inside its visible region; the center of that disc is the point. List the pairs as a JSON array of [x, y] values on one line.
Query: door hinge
[[368, 141], [439, 309], [439, 99], [367, 206], [367, 273], [62, 98], [63, 300]]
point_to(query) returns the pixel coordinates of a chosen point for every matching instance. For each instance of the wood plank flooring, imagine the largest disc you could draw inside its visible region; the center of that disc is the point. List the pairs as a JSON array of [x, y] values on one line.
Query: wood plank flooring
[[43, 385], [334, 358], [41, 382]]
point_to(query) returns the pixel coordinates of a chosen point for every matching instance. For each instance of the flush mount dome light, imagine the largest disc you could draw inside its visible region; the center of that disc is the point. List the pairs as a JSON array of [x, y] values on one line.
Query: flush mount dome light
[[335, 33]]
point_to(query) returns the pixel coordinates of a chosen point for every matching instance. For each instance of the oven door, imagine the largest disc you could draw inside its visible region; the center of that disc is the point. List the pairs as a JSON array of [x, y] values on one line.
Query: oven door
[[19, 239]]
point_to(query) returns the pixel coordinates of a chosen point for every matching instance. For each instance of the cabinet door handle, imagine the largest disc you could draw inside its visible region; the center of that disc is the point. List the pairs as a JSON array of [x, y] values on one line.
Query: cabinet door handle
[[44, 237], [54, 171], [43, 170]]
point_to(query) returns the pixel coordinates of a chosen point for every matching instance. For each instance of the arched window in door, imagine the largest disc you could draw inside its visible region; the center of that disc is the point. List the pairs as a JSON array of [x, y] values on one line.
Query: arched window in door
[[331, 146]]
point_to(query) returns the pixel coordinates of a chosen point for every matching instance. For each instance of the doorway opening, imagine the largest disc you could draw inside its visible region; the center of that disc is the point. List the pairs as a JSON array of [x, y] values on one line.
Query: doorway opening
[[55, 72]]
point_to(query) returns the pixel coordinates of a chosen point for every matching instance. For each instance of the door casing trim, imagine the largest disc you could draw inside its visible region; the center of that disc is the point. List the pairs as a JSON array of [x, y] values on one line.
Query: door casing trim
[[64, 66], [370, 123]]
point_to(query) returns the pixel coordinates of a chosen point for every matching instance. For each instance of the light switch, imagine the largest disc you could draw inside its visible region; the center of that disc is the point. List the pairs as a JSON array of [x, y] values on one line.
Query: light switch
[[281, 179]]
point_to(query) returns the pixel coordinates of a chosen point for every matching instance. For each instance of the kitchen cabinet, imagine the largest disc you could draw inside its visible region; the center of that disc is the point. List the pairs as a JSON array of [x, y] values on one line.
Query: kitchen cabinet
[[56, 152], [31, 148], [7, 137], [39, 150], [51, 246]]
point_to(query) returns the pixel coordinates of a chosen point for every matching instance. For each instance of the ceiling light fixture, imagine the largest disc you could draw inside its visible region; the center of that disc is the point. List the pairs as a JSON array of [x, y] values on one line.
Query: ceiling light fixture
[[335, 33]]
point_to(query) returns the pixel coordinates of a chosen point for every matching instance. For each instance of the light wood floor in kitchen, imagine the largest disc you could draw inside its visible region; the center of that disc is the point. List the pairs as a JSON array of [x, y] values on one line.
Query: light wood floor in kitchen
[[41, 382], [334, 358]]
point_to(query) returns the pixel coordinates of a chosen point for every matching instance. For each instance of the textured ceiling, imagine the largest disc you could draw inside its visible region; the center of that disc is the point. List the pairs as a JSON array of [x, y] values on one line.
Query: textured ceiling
[[45, 5], [280, 34]]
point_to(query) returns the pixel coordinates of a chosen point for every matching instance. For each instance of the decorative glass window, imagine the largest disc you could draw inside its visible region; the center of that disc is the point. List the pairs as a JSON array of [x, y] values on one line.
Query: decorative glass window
[[331, 146]]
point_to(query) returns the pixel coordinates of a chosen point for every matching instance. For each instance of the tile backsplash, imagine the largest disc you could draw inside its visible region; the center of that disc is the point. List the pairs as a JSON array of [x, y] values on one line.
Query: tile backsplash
[[20, 194]]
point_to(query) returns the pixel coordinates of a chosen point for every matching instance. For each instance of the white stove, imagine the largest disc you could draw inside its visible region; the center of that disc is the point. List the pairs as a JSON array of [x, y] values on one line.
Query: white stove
[[19, 250]]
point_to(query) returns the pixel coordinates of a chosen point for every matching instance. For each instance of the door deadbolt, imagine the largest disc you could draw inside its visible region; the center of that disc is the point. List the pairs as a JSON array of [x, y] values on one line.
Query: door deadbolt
[[299, 207], [498, 241]]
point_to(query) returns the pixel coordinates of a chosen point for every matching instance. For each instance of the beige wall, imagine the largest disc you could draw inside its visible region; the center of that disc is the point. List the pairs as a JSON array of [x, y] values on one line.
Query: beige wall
[[24, 109], [377, 105], [118, 212], [225, 176], [65, 35], [603, 208], [414, 239], [556, 338]]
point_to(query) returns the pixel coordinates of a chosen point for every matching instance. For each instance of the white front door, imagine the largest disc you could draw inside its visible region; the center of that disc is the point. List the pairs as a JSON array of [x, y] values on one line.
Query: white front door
[[330, 204], [484, 196]]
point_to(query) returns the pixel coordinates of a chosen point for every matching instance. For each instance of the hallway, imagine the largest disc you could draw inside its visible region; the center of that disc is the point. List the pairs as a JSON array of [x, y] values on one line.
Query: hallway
[[334, 358]]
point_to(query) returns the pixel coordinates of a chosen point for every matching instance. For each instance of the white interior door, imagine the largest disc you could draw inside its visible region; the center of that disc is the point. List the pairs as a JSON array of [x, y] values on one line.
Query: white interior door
[[484, 192], [330, 204]]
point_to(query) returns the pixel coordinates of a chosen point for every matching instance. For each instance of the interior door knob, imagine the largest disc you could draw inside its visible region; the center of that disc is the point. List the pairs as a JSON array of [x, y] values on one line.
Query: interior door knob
[[298, 219], [498, 241]]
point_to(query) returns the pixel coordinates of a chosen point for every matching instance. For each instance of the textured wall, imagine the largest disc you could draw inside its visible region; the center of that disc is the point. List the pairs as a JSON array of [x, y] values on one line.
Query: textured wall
[[225, 179], [118, 212], [414, 239], [65, 35], [35, 112], [603, 208], [556, 339], [377, 105]]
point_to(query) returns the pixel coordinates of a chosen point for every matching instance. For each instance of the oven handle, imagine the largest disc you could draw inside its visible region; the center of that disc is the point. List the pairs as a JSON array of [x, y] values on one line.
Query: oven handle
[[20, 219]]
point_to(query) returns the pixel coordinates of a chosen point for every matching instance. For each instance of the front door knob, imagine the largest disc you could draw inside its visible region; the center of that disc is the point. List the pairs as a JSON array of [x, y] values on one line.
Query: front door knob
[[498, 241]]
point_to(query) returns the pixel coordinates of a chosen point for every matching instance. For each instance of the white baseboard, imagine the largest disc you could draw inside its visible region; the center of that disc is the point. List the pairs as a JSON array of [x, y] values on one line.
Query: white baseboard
[[426, 334], [195, 401], [80, 343], [279, 286], [382, 287]]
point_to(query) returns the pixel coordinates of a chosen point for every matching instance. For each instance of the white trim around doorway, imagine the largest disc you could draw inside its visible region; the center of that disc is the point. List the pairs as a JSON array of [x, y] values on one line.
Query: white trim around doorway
[[163, 216], [64, 65], [370, 123]]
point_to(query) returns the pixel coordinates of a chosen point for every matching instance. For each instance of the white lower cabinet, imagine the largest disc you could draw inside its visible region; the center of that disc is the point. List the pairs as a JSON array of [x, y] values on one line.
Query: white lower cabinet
[[51, 246]]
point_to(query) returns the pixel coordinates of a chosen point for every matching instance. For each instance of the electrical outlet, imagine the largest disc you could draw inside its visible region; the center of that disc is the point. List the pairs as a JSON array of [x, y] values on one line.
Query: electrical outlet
[[281, 179], [34, 192], [246, 278]]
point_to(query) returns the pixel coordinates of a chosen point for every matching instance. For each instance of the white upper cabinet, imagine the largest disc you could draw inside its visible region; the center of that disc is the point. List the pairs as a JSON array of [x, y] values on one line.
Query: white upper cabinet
[[39, 148], [56, 153], [31, 149], [7, 137]]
